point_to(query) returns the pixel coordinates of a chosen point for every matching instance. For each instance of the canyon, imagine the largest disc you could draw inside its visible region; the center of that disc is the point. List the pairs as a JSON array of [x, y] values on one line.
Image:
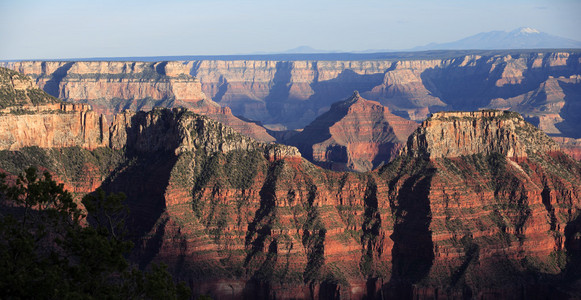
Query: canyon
[[260, 98], [478, 204], [544, 86]]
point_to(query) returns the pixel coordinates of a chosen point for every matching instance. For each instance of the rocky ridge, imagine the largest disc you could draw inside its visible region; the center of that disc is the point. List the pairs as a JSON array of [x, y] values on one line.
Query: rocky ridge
[[355, 134], [17, 90]]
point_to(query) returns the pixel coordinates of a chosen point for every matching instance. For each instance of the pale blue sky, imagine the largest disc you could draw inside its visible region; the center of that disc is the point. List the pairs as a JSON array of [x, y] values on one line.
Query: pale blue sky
[[52, 29]]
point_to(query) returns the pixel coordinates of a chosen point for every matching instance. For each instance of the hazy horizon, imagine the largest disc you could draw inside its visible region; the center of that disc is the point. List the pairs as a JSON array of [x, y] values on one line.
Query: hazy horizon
[[34, 29]]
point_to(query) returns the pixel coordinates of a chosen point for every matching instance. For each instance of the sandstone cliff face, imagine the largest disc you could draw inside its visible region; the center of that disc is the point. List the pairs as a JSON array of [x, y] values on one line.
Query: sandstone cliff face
[[355, 134], [455, 134], [132, 84], [59, 126], [31, 117], [111, 87]]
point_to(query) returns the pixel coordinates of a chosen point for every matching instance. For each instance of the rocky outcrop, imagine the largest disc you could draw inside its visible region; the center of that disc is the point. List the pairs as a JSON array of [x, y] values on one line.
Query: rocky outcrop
[[53, 126], [455, 134], [18, 90], [483, 189], [355, 134], [180, 130]]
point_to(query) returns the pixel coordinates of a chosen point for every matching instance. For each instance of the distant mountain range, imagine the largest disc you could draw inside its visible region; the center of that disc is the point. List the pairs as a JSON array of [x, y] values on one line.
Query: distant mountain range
[[521, 38]]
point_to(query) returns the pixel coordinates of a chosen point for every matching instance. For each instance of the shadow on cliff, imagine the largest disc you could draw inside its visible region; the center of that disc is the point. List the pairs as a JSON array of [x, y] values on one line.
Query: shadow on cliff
[[285, 109], [462, 87], [371, 226], [259, 232], [573, 245], [53, 84], [318, 132], [279, 92], [145, 175], [327, 92], [412, 253], [472, 86], [571, 127]]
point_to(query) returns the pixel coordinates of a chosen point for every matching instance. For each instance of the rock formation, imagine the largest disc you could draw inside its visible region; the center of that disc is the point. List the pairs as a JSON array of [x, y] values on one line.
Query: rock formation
[[479, 204], [491, 196], [112, 87], [543, 86], [17, 90], [53, 126], [455, 134], [355, 134]]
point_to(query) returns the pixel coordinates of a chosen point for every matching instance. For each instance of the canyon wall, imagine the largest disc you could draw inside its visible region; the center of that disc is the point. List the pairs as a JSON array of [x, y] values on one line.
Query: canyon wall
[[53, 126], [543, 86], [112, 87], [237, 224], [479, 204], [238, 218]]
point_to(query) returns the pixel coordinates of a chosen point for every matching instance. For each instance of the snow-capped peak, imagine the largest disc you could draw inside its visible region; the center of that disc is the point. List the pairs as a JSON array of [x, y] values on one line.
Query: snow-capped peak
[[528, 30]]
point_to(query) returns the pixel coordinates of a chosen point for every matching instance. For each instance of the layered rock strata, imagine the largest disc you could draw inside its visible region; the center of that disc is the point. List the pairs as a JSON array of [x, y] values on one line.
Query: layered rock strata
[[290, 94], [113, 87], [53, 126], [455, 134], [355, 134], [479, 205]]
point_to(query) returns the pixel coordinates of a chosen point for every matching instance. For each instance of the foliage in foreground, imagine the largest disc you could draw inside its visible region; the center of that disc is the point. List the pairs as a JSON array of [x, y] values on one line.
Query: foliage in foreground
[[50, 249]]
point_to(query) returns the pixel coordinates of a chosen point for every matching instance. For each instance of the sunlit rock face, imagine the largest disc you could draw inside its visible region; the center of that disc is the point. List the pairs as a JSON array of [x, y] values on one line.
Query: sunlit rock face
[[355, 134]]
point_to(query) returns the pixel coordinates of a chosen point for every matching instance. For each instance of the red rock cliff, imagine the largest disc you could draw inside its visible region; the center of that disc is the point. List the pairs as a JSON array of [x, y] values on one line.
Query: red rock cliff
[[355, 134], [244, 223]]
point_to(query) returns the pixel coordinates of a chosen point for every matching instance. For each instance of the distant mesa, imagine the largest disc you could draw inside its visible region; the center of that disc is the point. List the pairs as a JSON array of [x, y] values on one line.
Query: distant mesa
[[304, 49]]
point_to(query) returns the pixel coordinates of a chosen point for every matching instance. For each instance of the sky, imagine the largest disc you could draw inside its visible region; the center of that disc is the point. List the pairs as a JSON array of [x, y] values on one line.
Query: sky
[[58, 29]]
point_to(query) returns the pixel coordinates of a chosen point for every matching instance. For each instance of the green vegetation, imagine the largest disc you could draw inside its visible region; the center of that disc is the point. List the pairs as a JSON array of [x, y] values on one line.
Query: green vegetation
[[51, 249], [9, 96], [72, 164]]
